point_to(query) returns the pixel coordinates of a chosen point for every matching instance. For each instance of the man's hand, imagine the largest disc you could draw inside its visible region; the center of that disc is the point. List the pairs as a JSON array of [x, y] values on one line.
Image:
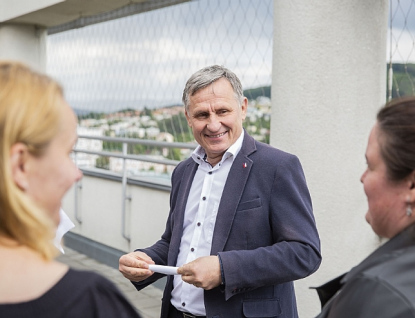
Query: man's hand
[[203, 272], [134, 266]]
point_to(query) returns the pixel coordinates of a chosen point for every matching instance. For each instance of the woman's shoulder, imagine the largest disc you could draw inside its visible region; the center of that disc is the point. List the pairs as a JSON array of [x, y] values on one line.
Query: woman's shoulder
[[89, 292], [76, 294], [76, 284], [388, 286], [74, 275], [397, 269]]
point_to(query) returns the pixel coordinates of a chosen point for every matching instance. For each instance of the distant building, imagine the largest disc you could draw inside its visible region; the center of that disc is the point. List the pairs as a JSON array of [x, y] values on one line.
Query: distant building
[[84, 159]]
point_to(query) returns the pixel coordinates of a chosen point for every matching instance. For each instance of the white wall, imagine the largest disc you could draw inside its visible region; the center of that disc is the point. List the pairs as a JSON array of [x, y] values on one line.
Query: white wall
[[16, 8], [100, 205], [329, 79], [25, 43]]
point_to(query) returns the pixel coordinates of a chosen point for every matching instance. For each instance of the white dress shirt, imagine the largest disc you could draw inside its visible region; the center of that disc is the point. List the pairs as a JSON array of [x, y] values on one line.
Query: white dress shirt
[[199, 223]]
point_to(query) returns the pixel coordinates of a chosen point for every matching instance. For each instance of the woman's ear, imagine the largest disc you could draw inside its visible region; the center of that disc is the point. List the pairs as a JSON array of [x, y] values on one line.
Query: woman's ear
[[411, 180], [410, 198], [18, 159]]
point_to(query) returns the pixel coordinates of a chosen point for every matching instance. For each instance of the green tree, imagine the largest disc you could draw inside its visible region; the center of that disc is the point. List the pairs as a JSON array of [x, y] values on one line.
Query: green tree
[[102, 162], [176, 126], [147, 112], [403, 83]]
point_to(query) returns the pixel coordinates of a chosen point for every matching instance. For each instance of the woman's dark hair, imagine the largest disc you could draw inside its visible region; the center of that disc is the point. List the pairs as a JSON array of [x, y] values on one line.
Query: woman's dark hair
[[396, 121]]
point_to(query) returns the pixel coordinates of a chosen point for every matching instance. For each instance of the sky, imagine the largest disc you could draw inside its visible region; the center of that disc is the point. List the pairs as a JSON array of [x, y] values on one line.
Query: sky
[[401, 37], [144, 60]]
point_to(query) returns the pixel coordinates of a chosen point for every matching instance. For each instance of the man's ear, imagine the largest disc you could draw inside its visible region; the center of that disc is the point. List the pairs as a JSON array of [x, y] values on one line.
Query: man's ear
[[18, 160], [244, 108], [187, 118]]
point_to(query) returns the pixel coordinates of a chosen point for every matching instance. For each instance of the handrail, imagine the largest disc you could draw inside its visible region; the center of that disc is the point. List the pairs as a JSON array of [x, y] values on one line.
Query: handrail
[[131, 157], [78, 185], [124, 156], [124, 194], [147, 142]]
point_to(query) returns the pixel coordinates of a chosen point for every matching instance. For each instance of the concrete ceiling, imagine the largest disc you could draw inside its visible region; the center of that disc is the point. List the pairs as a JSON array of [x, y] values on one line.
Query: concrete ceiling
[[62, 15]]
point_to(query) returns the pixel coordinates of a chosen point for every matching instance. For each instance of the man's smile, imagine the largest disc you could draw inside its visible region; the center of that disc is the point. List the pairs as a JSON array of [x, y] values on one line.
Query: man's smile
[[216, 136]]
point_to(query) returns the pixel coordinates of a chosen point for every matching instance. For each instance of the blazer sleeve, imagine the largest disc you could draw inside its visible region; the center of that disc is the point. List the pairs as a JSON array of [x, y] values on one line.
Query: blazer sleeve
[[294, 250]]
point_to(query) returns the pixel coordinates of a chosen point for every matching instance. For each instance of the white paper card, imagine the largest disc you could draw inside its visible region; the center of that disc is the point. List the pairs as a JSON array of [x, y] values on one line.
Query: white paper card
[[64, 226], [168, 270]]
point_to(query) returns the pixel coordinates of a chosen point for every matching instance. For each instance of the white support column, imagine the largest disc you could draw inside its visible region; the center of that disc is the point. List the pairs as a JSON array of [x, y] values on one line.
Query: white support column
[[25, 43], [329, 80]]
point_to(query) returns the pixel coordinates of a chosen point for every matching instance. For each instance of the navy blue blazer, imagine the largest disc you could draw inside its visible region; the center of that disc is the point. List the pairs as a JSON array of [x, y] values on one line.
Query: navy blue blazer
[[265, 234]]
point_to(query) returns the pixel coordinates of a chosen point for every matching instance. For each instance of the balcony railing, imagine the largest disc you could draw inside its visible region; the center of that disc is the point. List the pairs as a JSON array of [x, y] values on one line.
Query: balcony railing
[[124, 156]]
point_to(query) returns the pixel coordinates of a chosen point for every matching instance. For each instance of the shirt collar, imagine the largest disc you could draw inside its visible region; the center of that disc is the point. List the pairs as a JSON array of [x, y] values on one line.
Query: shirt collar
[[199, 153]]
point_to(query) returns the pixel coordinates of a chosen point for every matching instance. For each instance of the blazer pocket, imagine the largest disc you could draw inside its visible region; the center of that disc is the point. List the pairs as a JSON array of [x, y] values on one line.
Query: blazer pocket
[[264, 308], [252, 204]]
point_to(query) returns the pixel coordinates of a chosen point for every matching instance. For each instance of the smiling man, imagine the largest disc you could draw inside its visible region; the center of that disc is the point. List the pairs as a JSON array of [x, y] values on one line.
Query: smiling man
[[241, 227], [216, 118]]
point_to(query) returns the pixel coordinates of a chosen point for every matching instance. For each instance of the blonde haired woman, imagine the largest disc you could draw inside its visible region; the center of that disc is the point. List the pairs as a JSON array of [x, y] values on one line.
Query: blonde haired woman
[[37, 133]]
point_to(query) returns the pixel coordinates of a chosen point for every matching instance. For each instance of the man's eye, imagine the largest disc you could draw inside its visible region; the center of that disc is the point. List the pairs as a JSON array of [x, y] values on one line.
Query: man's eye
[[202, 115], [222, 111]]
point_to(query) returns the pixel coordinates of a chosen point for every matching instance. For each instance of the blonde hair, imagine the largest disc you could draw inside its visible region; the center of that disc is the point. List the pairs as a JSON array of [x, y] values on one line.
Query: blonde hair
[[29, 114]]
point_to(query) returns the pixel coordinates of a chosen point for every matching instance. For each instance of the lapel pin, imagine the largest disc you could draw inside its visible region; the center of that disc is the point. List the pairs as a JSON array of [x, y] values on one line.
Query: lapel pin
[[244, 165]]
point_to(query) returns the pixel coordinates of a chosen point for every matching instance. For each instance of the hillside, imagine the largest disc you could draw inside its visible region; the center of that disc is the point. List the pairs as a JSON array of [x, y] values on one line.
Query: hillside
[[403, 83], [253, 93], [403, 80]]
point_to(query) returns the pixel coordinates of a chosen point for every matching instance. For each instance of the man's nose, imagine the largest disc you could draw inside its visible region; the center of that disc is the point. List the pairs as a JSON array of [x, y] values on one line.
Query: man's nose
[[214, 123]]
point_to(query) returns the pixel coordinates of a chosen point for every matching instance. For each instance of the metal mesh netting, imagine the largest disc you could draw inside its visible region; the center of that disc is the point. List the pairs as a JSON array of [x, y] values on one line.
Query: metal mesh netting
[[401, 49], [142, 62], [125, 77]]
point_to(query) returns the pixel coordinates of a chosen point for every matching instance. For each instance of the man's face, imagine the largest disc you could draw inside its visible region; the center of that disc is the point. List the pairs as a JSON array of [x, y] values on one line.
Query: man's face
[[216, 117]]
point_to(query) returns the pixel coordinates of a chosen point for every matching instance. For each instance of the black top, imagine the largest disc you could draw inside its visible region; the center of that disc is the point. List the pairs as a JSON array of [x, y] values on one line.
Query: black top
[[78, 294], [381, 286]]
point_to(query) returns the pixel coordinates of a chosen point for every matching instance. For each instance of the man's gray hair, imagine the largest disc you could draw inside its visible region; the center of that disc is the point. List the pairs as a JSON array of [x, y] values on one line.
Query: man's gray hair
[[207, 76]]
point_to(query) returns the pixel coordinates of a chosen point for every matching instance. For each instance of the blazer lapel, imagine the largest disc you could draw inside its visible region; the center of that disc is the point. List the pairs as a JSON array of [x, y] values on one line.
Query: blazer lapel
[[232, 193]]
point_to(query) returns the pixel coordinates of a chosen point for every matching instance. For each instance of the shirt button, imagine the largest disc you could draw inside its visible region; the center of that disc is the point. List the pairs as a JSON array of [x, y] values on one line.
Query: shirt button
[[210, 172], [184, 304], [198, 158], [204, 198], [198, 223], [192, 249]]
